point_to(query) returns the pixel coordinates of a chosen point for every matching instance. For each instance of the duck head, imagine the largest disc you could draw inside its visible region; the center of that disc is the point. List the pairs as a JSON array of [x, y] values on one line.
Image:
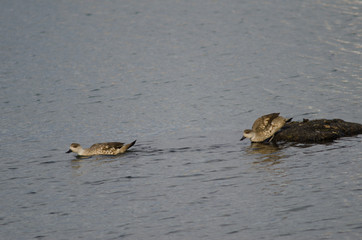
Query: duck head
[[248, 133]]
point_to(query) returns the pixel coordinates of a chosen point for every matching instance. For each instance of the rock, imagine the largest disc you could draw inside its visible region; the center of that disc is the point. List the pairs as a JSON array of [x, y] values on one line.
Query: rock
[[317, 131]]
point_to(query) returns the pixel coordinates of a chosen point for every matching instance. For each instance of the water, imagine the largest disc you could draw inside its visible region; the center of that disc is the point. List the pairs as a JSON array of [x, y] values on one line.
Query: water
[[184, 78]]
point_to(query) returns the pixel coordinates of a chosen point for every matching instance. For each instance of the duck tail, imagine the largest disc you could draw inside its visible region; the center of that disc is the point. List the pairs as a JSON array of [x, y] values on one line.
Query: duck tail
[[126, 146], [288, 120]]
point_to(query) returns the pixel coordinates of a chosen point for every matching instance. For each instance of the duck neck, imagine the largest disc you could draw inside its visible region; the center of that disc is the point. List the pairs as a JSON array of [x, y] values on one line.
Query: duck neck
[[81, 151], [255, 138]]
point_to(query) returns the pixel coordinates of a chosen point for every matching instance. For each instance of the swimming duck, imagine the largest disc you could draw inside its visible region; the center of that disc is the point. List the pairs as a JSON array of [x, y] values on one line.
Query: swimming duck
[[265, 127], [107, 148]]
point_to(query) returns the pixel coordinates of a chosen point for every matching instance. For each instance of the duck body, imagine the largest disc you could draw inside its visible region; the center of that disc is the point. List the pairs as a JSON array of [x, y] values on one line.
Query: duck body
[[107, 148], [265, 127]]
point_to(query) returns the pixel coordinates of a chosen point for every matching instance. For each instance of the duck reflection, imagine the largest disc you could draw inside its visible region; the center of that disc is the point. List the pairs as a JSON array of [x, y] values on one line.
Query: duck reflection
[[268, 165], [82, 165], [266, 153]]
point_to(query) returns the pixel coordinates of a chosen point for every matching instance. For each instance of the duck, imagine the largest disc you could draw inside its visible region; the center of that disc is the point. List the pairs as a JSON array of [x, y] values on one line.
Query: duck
[[106, 148], [265, 127]]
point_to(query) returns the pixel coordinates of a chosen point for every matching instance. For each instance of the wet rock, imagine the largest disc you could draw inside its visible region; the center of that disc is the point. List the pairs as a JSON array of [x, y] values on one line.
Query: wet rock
[[317, 131]]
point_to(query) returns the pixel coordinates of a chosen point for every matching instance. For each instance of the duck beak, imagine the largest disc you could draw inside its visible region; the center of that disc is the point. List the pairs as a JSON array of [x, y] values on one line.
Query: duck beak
[[242, 138], [69, 151]]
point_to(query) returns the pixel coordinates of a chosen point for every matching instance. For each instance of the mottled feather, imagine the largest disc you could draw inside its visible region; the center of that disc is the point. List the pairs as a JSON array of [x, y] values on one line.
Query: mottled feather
[[107, 148], [265, 127]]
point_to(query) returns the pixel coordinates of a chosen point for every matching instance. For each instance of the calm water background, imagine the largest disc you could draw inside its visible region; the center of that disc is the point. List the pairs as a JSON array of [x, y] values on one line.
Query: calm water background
[[184, 78]]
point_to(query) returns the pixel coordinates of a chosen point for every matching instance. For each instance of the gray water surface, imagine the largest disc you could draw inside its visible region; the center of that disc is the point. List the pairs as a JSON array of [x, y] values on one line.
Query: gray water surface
[[184, 78]]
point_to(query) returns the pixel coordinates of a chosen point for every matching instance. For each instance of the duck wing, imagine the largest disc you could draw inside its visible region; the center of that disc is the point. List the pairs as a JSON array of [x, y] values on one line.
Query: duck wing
[[106, 146], [264, 122]]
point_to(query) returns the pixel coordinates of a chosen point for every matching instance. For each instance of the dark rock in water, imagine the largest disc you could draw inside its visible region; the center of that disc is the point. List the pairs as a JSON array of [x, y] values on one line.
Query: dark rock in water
[[317, 131]]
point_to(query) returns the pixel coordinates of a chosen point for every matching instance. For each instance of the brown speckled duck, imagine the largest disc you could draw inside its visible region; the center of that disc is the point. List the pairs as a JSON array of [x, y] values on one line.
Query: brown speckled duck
[[107, 148], [265, 127]]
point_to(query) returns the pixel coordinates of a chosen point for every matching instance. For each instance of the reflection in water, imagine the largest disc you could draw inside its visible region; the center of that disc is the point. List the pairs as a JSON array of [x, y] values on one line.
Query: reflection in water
[[266, 153], [82, 165], [267, 156]]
